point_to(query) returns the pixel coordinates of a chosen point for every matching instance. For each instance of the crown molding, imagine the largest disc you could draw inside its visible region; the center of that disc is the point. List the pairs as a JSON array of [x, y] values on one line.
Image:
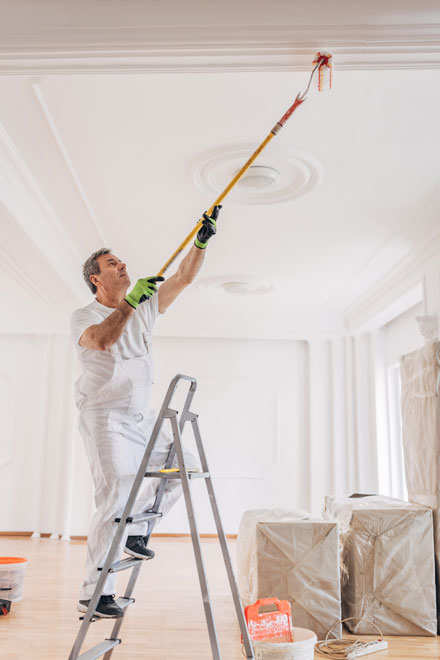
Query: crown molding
[[403, 282], [29, 209], [229, 48], [35, 84]]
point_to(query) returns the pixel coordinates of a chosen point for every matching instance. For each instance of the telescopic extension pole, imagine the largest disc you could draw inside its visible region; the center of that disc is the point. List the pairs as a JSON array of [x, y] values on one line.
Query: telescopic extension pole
[[321, 62]]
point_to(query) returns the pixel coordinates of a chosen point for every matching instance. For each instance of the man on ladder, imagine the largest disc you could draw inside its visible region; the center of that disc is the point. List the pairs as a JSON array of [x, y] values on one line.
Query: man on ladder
[[112, 336]]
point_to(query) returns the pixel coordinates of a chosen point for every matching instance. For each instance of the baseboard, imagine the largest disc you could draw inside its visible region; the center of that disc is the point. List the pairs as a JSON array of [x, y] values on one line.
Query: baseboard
[[47, 535]]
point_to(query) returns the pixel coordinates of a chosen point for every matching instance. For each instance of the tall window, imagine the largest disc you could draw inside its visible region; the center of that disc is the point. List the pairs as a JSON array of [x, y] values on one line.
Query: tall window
[[396, 461]]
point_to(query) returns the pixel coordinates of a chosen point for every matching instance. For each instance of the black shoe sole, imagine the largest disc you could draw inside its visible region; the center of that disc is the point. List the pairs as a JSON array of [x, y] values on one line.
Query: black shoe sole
[[138, 555], [83, 609]]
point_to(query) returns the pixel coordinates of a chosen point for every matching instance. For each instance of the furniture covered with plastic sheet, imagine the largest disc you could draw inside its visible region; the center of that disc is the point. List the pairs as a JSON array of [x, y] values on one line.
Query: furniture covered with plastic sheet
[[291, 556], [388, 575], [420, 377]]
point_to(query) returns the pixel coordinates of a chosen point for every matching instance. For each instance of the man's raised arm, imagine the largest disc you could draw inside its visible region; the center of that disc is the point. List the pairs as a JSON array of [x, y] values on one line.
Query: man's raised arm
[[191, 264]]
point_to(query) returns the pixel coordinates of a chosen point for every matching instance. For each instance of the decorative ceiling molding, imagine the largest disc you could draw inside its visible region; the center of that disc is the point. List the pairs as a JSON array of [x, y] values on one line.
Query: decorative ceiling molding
[[405, 278], [298, 172], [36, 88], [30, 209], [229, 48], [22, 279]]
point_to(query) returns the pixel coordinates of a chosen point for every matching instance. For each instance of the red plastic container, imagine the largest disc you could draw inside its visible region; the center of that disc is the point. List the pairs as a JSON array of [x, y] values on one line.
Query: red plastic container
[[271, 625]]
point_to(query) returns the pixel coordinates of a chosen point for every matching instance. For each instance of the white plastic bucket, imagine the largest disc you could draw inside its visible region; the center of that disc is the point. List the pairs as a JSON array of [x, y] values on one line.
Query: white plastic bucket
[[12, 572], [302, 648]]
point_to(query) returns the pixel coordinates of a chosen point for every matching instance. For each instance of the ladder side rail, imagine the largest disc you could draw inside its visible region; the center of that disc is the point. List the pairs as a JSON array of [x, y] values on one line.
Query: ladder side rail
[[196, 541], [96, 594], [111, 555], [185, 416], [128, 591], [165, 412], [223, 543], [121, 526], [139, 478]]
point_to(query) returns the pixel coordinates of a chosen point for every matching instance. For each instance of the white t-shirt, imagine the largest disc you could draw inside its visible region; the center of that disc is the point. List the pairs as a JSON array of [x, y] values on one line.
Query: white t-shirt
[[98, 366]]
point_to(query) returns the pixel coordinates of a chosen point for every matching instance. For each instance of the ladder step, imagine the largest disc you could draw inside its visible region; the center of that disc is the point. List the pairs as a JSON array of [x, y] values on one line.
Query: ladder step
[[124, 602], [122, 565], [99, 650], [140, 517], [176, 475]]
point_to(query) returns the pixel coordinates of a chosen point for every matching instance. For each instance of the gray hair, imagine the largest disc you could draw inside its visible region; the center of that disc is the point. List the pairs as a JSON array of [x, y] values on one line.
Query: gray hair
[[91, 267]]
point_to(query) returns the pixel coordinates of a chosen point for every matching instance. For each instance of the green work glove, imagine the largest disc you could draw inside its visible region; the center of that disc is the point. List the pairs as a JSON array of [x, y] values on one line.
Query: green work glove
[[142, 290], [208, 228]]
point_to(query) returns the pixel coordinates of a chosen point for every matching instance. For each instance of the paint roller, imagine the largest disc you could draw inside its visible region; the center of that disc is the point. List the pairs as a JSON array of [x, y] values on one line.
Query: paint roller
[[323, 67]]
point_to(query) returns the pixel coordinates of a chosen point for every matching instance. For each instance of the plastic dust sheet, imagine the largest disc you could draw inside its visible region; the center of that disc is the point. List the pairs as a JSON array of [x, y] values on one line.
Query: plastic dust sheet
[[420, 374], [420, 377], [291, 556], [388, 564]]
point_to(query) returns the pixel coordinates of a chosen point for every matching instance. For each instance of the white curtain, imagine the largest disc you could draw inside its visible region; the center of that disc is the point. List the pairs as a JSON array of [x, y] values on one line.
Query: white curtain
[[341, 417]]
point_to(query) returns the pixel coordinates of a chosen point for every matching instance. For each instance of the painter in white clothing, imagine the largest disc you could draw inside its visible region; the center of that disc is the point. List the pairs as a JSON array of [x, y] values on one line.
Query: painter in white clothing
[[112, 336]]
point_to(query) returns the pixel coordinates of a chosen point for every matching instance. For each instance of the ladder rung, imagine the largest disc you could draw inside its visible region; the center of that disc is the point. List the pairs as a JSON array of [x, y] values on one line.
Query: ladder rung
[[124, 602], [99, 650], [140, 517], [122, 565], [176, 475]]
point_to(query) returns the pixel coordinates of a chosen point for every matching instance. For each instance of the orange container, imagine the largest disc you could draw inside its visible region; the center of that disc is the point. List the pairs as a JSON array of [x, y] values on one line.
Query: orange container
[[12, 572], [12, 560], [271, 625]]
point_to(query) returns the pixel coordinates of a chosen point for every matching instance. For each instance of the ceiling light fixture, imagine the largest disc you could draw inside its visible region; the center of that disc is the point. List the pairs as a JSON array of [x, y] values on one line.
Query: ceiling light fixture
[[259, 178], [238, 286]]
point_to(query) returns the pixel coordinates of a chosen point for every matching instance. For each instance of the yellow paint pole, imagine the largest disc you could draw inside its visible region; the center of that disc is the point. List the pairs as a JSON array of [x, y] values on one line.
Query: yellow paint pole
[[218, 201], [322, 60]]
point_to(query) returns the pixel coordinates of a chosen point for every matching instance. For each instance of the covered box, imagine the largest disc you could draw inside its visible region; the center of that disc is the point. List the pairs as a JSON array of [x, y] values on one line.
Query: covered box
[[420, 378], [291, 556], [388, 576]]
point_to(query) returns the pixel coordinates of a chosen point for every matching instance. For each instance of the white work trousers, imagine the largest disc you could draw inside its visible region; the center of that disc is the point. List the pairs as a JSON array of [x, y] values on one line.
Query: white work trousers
[[115, 443]]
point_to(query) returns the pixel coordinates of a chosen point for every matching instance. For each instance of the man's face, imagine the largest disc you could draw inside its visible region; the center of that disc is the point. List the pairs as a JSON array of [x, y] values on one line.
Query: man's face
[[113, 276]]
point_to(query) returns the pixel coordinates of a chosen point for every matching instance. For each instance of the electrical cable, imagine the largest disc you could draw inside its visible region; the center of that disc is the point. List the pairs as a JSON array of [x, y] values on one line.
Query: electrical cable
[[338, 649]]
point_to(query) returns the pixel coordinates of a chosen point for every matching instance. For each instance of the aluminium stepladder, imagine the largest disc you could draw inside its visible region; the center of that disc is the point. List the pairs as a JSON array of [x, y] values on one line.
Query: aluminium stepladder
[[111, 564]]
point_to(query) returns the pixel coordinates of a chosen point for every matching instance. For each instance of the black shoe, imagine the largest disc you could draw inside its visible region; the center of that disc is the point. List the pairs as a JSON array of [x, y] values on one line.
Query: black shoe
[[107, 607], [136, 547]]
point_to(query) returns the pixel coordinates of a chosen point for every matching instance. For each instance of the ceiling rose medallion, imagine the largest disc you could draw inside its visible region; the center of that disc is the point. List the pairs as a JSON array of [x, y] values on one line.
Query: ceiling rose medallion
[[283, 173], [238, 285]]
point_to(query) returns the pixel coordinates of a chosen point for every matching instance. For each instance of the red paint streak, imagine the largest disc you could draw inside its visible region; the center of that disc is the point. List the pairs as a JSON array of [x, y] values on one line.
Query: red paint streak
[[290, 111]]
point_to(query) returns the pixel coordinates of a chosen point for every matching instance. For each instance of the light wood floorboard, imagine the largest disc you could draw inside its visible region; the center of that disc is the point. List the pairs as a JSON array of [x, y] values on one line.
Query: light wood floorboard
[[167, 620]]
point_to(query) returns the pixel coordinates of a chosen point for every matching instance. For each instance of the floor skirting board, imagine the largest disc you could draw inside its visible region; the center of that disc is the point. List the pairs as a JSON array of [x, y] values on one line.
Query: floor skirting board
[[47, 535]]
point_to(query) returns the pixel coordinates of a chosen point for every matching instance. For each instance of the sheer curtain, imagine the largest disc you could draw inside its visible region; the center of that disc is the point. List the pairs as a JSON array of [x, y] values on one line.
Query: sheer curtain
[[341, 412]]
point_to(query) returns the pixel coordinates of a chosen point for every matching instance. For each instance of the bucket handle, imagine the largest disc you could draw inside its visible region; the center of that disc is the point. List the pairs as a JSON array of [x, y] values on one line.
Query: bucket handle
[[262, 602]]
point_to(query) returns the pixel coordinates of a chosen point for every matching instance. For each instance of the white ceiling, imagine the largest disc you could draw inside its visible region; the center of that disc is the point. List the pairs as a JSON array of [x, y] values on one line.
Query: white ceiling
[[108, 158]]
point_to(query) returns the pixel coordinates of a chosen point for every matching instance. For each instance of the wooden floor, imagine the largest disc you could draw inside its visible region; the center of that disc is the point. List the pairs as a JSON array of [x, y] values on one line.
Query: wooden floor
[[167, 620]]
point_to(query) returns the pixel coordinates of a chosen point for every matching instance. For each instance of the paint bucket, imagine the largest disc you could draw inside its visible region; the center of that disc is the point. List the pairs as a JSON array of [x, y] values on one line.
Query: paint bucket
[[302, 647], [269, 620], [12, 572]]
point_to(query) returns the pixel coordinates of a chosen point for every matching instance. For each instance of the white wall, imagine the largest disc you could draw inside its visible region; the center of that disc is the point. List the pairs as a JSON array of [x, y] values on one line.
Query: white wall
[[251, 422], [284, 424], [24, 364], [42, 469]]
